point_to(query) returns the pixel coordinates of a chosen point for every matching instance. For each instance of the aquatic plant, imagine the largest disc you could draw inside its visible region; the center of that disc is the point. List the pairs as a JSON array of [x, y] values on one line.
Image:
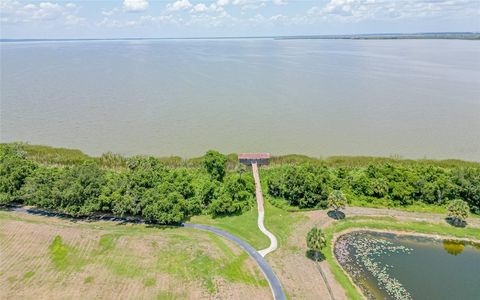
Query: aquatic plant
[[358, 252]]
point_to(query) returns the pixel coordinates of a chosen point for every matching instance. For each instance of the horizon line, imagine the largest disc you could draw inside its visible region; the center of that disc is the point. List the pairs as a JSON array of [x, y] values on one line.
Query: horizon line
[[384, 34]]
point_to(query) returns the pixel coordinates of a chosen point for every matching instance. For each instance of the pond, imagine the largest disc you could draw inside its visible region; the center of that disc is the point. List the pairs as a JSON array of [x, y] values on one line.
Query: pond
[[390, 266]]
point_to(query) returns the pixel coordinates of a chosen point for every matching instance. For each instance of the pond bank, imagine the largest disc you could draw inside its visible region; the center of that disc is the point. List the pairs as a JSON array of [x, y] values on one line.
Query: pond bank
[[335, 229], [392, 265]]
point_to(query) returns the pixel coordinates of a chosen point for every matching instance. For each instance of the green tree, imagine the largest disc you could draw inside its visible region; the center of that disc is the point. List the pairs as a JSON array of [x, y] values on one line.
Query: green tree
[[14, 170], [40, 188], [305, 186], [78, 188], [336, 201], [164, 209], [468, 185], [235, 195], [458, 211], [215, 164], [316, 241]]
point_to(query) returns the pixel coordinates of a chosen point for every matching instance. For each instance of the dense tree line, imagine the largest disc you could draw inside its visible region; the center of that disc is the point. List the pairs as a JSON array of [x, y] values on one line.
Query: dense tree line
[[147, 188], [308, 185]]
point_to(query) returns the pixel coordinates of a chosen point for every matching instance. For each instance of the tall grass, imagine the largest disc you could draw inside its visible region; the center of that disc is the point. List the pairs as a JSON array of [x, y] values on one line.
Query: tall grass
[[55, 156]]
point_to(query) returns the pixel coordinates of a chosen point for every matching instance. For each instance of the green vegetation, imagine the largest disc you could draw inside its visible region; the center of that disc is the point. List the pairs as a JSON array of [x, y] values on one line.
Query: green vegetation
[[149, 282], [215, 164], [277, 220], [28, 274], [336, 201], [172, 190], [381, 185], [458, 211], [145, 188], [64, 256], [384, 223], [316, 241], [102, 253]]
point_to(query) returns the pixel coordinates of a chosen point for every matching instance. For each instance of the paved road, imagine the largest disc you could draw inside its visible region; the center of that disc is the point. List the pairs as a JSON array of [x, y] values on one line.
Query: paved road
[[275, 286], [261, 214], [277, 290]]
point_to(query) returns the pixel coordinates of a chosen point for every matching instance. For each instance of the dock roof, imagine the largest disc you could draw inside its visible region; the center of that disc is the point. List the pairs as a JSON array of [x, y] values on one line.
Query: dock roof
[[253, 155]]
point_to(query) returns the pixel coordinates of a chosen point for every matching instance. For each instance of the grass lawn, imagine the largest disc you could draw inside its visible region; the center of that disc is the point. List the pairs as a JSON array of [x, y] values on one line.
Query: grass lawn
[[384, 223], [49, 257], [277, 220]]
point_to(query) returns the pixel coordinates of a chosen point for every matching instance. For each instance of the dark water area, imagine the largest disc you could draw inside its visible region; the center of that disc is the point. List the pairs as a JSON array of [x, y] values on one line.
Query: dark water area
[[412, 98], [389, 266]]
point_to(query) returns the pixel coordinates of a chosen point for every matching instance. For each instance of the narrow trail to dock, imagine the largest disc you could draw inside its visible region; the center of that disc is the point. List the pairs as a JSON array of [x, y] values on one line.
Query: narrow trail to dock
[[261, 214]]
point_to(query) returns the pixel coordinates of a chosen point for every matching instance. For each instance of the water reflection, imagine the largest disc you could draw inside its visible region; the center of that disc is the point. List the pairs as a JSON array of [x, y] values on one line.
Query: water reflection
[[453, 247]]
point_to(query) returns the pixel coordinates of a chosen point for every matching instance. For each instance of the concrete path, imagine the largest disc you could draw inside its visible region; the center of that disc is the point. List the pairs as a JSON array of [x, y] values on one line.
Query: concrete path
[[275, 285], [261, 214]]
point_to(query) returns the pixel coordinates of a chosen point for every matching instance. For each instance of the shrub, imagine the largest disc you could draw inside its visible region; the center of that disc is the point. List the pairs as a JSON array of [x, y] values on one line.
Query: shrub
[[458, 211]]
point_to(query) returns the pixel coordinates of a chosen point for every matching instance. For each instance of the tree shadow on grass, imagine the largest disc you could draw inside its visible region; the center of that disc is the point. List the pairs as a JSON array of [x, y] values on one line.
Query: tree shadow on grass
[[337, 215], [456, 222], [226, 215], [315, 255], [163, 227]]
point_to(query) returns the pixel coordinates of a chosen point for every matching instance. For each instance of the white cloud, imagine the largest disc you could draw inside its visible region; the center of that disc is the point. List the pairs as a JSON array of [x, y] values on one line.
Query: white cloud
[[223, 2], [73, 20], [200, 7], [16, 12], [256, 4], [358, 10], [179, 5], [135, 5], [109, 13]]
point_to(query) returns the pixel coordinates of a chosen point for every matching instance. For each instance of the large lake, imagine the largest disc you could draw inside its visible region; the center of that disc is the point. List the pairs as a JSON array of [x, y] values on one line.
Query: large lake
[[413, 98]]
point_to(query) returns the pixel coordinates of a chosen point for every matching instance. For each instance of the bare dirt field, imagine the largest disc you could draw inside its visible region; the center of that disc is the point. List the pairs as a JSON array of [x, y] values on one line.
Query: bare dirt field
[[298, 273], [49, 258]]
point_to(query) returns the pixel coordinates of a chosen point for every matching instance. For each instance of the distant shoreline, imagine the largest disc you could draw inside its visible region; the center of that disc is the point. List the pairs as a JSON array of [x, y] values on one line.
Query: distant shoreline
[[366, 36], [59, 155]]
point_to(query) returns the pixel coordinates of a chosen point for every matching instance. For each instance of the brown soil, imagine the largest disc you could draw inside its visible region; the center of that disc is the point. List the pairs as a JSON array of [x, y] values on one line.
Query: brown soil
[[27, 270]]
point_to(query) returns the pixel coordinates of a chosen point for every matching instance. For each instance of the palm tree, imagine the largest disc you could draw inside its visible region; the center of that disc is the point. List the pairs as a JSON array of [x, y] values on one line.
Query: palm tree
[[336, 201], [316, 241], [458, 212]]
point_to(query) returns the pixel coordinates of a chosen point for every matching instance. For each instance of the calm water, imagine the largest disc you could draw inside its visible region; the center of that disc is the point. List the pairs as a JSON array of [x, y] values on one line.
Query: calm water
[[414, 98], [413, 267]]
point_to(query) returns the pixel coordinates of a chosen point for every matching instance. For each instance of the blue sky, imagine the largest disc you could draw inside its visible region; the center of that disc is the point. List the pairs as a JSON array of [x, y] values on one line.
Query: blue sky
[[191, 18]]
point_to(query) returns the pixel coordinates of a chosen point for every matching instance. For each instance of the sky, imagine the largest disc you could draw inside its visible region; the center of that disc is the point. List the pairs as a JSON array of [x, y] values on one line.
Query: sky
[[231, 18]]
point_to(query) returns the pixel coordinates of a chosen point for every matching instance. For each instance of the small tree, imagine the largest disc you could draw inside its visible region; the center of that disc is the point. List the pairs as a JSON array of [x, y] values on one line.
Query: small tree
[[458, 211], [316, 241], [215, 164], [336, 201]]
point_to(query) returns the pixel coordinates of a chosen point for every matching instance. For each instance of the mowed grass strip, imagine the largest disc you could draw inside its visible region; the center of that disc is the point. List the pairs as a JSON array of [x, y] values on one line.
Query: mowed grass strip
[[279, 221]]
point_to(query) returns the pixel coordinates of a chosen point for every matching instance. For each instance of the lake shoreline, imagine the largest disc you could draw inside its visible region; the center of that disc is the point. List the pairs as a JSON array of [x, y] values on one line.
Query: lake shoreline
[[338, 235]]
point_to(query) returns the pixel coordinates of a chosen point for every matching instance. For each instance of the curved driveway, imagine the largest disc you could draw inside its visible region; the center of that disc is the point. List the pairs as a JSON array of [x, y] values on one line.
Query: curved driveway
[[275, 286], [277, 290]]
